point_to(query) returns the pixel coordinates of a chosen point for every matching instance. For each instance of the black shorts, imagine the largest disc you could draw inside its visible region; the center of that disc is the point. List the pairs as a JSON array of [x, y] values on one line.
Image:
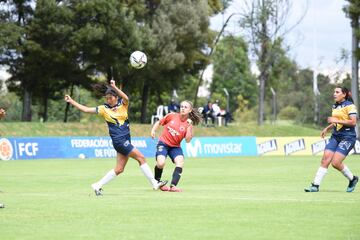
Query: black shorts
[[123, 144]]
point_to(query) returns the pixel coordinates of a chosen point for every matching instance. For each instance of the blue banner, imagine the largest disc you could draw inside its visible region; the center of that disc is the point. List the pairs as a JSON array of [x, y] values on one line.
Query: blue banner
[[28, 148], [67, 147], [220, 147]]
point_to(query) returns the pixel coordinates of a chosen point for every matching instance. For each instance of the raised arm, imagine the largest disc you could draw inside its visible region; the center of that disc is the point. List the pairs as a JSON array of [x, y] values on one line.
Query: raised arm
[[79, 106], [121, 94]]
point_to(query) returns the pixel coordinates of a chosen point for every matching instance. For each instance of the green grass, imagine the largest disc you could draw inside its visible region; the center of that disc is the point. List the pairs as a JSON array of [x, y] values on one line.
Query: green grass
[[19, 129], [227, 198]]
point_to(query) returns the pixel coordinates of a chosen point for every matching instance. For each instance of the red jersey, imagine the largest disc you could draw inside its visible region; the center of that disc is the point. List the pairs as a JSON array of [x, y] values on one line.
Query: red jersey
[[174, 129]]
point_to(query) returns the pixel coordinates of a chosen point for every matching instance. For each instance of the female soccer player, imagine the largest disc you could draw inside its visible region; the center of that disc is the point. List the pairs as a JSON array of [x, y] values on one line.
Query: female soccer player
[[176, 127], [343, 122], [115, 113]]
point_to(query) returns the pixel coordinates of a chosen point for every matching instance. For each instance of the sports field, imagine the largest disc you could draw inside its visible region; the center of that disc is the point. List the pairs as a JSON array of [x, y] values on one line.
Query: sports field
[[227, 198]]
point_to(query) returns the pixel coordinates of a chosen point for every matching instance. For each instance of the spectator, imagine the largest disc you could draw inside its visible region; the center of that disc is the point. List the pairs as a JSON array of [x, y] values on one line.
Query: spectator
[[173, 106], [208, 113], [218, 112]]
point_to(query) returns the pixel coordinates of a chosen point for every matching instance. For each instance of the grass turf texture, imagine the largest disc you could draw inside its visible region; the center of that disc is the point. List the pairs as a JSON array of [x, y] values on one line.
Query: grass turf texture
[[36, 129], [228, 198]]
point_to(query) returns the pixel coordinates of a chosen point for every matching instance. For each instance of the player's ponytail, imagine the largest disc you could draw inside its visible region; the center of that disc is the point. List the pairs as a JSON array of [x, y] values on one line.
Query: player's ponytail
[[102, 89], [194, 115]]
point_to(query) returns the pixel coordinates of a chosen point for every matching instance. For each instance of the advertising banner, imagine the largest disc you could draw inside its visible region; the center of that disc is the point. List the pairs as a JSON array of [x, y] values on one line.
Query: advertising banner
[[286, 146], [67, 147], [220, 146]]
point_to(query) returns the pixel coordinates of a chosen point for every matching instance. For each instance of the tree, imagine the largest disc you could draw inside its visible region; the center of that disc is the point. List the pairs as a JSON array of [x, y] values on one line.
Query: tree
[[232, 71], [179, 33], [352, 11], [15, 15], [265, 22]]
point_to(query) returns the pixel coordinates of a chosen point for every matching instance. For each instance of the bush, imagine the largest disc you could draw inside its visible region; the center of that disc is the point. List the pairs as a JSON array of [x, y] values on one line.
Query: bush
[[288, 113], [246, 115]]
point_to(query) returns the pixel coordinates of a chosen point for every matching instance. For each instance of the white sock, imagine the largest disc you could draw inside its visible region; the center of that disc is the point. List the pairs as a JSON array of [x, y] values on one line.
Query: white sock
[[320, 174], [347, 173], [107, 178], [148, 174]]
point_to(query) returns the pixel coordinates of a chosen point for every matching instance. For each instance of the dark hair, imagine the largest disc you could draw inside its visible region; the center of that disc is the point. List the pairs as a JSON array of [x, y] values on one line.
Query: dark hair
[[194, 115], [348, 95], [102, 89]]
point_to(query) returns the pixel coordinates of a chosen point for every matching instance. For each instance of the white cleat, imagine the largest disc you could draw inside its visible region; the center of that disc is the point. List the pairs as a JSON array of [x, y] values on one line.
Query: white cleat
[[160, 184], [98, 191]]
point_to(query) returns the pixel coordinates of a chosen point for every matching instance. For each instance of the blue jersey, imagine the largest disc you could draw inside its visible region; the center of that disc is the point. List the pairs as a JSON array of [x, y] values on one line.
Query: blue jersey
[[117, 119], [343, 111]]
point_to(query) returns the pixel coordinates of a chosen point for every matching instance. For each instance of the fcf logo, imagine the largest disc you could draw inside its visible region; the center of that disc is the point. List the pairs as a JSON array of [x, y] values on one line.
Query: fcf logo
[[6, 149]]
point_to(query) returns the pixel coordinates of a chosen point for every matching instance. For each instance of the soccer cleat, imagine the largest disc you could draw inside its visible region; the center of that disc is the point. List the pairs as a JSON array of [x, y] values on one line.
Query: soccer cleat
[[175, 189], [312, 188], [160, 184], [352, 184], [98, 191], [165, 188]]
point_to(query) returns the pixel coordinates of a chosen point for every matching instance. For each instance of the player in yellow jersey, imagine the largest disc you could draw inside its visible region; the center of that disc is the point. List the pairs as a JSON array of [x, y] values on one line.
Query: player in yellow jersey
[[115, 113], [343, 122]]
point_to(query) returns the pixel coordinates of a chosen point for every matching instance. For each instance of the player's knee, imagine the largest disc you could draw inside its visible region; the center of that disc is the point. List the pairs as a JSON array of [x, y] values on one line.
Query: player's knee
[[118, 170], [325, 162], [336, 165], [141, 159], [160, 164]]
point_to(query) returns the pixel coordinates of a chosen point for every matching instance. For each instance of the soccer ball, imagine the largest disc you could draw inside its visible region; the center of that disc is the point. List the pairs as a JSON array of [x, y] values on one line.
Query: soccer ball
[[138, 59]]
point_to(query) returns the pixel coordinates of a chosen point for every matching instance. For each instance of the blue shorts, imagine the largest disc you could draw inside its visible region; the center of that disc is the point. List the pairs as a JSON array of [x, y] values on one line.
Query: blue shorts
[[342, 145], [165, 150], [123, 144]]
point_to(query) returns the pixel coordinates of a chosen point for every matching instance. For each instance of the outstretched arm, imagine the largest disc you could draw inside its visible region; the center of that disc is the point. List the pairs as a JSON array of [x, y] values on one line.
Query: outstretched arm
[[124, 97], [79, 106]]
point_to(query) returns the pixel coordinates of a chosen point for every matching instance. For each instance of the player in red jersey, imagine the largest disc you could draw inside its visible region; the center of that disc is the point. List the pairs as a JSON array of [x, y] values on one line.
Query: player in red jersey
[[176, 127]]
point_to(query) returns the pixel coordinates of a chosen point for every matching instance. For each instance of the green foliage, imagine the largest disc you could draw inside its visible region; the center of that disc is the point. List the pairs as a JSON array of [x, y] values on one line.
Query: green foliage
[[288, 113], [232, 71]]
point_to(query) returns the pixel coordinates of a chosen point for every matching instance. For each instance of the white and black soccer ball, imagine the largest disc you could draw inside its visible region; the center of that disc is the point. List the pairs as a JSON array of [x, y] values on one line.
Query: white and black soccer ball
[[138, 59]]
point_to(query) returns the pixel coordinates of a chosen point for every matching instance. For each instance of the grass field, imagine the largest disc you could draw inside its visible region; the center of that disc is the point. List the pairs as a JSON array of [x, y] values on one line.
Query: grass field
[[229, 198], [33, 129]]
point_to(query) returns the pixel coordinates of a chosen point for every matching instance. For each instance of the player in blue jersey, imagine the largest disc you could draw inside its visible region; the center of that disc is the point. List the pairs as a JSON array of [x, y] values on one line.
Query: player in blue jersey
[[343, 138], [115, 113]]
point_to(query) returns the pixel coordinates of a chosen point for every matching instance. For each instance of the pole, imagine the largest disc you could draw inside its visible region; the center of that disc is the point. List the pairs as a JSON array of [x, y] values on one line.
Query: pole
[[273, 104], [227, 100], [355, 66]]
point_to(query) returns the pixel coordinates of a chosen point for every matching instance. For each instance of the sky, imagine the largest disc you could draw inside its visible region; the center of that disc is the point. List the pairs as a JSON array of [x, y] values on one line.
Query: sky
[[317, 41]]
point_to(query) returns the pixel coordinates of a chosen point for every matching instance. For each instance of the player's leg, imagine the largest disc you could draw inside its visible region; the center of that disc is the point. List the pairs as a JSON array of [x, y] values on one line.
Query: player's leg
[[321, 172], [177, 156], [139, 157], [121, 161], [161, 153], [342, 151]]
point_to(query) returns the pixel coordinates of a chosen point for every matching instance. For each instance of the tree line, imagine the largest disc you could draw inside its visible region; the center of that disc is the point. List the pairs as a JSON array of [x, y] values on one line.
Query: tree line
[[52, 47]]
